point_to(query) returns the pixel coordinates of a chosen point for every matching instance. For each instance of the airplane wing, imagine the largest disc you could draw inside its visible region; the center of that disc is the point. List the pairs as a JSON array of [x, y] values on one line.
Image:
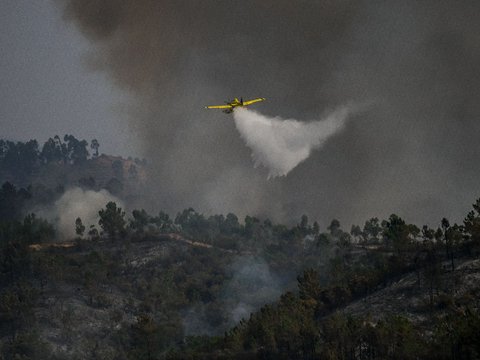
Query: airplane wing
[[249, 102], [218, 107]]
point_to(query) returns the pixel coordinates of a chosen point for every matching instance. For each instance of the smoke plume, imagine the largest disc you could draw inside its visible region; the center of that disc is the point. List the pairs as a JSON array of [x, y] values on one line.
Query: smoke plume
[[251, 285], [74, 203], [281, 144], [411, 153]]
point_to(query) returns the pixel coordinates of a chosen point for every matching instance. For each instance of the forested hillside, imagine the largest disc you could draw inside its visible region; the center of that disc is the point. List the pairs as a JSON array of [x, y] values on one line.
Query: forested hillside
[[142, 285], [58, 164]]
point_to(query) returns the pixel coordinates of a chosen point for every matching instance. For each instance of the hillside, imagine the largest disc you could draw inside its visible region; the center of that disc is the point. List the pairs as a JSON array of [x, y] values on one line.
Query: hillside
[[150, 293], [108, 298], [410, 295], [58, 165], [191, 286]]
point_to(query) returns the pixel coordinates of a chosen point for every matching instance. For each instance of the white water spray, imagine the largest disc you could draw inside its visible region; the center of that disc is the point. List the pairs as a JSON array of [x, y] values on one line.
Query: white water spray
[[281, 144]]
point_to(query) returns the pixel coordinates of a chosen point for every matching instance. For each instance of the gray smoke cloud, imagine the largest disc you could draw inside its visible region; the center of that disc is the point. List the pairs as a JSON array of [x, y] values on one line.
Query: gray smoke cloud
[[75, 203], [281, 144], [251, 285], [412, 153]]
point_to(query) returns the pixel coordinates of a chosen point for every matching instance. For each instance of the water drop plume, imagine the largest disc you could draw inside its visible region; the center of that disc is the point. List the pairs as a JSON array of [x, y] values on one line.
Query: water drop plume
[[281, 144]]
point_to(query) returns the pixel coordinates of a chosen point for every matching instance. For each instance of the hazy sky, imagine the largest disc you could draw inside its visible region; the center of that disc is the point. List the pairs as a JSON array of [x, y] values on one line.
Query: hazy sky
[[45, 85], [413, 151]]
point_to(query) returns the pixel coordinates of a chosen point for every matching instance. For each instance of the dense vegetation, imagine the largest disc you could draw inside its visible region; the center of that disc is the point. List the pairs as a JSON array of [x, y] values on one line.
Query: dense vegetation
[[148, 286], [64, 163], [22, 158], [309, 323]]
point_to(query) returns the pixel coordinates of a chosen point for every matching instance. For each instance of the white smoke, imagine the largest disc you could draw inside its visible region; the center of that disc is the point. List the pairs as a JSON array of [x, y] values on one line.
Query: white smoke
[[250, 285], [281, 144], [75, 203], [253, 285]]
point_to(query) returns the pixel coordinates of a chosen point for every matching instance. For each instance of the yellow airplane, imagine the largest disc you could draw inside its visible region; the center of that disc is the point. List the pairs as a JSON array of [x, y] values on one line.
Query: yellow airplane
[[230, 106]]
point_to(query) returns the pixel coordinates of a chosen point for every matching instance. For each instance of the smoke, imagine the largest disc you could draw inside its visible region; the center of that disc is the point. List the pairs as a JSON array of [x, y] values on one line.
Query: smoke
[[252, 284], [411, 153], [280, 144], [75, 203]]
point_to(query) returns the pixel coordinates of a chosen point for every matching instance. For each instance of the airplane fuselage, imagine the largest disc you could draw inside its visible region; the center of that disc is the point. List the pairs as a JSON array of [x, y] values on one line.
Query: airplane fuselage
[[231, 105], [234, 103]]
